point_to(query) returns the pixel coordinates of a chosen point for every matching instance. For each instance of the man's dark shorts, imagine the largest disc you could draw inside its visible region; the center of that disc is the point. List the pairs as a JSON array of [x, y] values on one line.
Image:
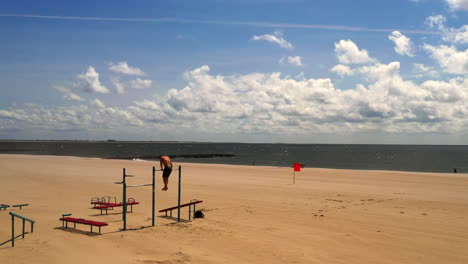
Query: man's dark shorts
[[167, 171]]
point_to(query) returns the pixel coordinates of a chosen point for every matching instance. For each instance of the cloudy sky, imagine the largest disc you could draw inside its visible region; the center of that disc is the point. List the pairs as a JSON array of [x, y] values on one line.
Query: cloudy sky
[[294, 71]]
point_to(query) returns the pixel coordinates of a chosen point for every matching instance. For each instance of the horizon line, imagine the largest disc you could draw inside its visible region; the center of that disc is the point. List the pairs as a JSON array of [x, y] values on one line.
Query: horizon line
[[220, 22]]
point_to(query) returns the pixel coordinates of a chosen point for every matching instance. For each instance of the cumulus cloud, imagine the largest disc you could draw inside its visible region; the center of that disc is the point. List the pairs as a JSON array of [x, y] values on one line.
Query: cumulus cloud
[[458, 4], [457, 36], [141, 83], [98, 103], [89, 82], [118, 85], [403, 44], [124, 68], [342, 70], [452, 35], [297, 61], [423, 70], [276, 38], [349, 53], [271, 103], [67, 93], [436, 21], [449, 57]]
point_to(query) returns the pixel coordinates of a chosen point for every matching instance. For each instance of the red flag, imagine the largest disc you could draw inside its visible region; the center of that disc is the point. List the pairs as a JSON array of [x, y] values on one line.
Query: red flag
[[297, 167]]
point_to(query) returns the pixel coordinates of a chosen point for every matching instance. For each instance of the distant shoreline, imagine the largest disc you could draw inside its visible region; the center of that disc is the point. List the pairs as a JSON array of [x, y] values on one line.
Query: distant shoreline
[[212, 142]]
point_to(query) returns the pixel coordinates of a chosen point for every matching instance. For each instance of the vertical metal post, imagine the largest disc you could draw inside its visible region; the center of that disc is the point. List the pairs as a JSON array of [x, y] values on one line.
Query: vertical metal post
[[32, 227], [154, 196], [12, 231], [178, 204], [123, 191], [124, 213], [23, 227]]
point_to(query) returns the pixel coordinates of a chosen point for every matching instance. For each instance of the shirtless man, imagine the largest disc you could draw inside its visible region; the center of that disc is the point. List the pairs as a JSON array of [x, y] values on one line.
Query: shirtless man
[[167, 162]]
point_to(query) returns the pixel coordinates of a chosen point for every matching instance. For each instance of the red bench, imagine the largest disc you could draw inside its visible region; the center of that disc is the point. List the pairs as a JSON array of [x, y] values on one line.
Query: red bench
[[193, 202], [110, 206], [66, 220]]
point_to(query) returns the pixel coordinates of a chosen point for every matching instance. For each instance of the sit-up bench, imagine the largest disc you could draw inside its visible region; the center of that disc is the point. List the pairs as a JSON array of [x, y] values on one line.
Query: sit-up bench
[[66, 219], [110, 206], [20, 205], [192, 203], [5, 206]]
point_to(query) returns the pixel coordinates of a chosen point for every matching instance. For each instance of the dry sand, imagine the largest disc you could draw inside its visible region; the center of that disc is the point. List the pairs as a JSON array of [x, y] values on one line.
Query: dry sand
[[252, 214]]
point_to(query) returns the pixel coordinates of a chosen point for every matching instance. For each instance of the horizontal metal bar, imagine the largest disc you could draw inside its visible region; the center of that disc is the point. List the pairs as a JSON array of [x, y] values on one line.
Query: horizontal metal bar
[[128, 175], [140, 185], [17, 205], [22, 217]]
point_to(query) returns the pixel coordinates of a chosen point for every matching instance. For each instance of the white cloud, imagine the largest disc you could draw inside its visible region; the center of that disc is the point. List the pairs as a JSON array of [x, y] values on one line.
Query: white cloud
[[276, 38], [342, 70], [349, 53], [403, 44], [124, 68], [458, 4], [98, 103], [436, 21], [140, 83], [119, 86], [297, 61], [423, 70], [452, 35], [380, 71], [452, 60], [457, 36], [89, 82], [269, 103], [67, 93]]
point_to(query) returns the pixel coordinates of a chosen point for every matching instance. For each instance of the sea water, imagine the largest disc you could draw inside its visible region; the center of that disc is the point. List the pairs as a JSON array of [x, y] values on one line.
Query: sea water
[[423, 158]]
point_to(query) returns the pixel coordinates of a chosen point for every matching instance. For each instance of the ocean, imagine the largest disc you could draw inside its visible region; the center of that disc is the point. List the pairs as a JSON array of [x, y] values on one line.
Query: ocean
[[421, 158]]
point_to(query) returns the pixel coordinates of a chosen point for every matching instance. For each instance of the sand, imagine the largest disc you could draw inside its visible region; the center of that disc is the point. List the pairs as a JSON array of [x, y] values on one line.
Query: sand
[[253, 214]]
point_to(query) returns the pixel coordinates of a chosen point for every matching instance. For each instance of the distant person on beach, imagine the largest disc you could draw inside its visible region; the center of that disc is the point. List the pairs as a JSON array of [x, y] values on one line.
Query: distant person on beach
[[166, 167]]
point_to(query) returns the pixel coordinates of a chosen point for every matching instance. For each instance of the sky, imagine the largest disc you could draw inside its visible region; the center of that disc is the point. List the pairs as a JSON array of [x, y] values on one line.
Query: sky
[[266, 71]]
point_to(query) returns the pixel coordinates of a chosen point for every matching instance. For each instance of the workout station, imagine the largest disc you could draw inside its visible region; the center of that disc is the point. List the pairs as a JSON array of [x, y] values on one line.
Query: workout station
[[106, 203]]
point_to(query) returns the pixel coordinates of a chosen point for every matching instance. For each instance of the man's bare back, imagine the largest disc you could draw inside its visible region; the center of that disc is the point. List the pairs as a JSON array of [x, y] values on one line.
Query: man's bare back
[[166, 167], [166, 161]]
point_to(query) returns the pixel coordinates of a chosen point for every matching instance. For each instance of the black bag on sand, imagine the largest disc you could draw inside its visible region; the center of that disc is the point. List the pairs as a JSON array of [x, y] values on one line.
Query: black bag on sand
[[199, 214]]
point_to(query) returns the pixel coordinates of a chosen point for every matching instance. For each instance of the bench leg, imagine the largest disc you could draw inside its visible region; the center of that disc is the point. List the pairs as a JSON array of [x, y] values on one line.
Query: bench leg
[[99, 230], [91, 228], [74, 225]]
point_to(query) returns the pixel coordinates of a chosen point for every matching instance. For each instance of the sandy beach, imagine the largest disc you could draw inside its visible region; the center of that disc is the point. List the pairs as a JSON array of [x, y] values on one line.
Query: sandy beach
[[253, 214]]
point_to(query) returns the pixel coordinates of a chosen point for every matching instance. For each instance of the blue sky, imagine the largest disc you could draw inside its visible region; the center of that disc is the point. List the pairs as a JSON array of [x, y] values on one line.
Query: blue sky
[[292, 71]]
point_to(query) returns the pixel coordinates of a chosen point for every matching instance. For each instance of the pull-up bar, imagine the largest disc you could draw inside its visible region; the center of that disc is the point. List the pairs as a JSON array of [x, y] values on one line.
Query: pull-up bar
[[179, 192], [124, 190]]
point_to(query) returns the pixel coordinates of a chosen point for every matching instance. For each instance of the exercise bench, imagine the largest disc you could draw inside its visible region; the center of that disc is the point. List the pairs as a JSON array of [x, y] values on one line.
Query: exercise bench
[[66, 219], [192, 203], [110, 206]]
